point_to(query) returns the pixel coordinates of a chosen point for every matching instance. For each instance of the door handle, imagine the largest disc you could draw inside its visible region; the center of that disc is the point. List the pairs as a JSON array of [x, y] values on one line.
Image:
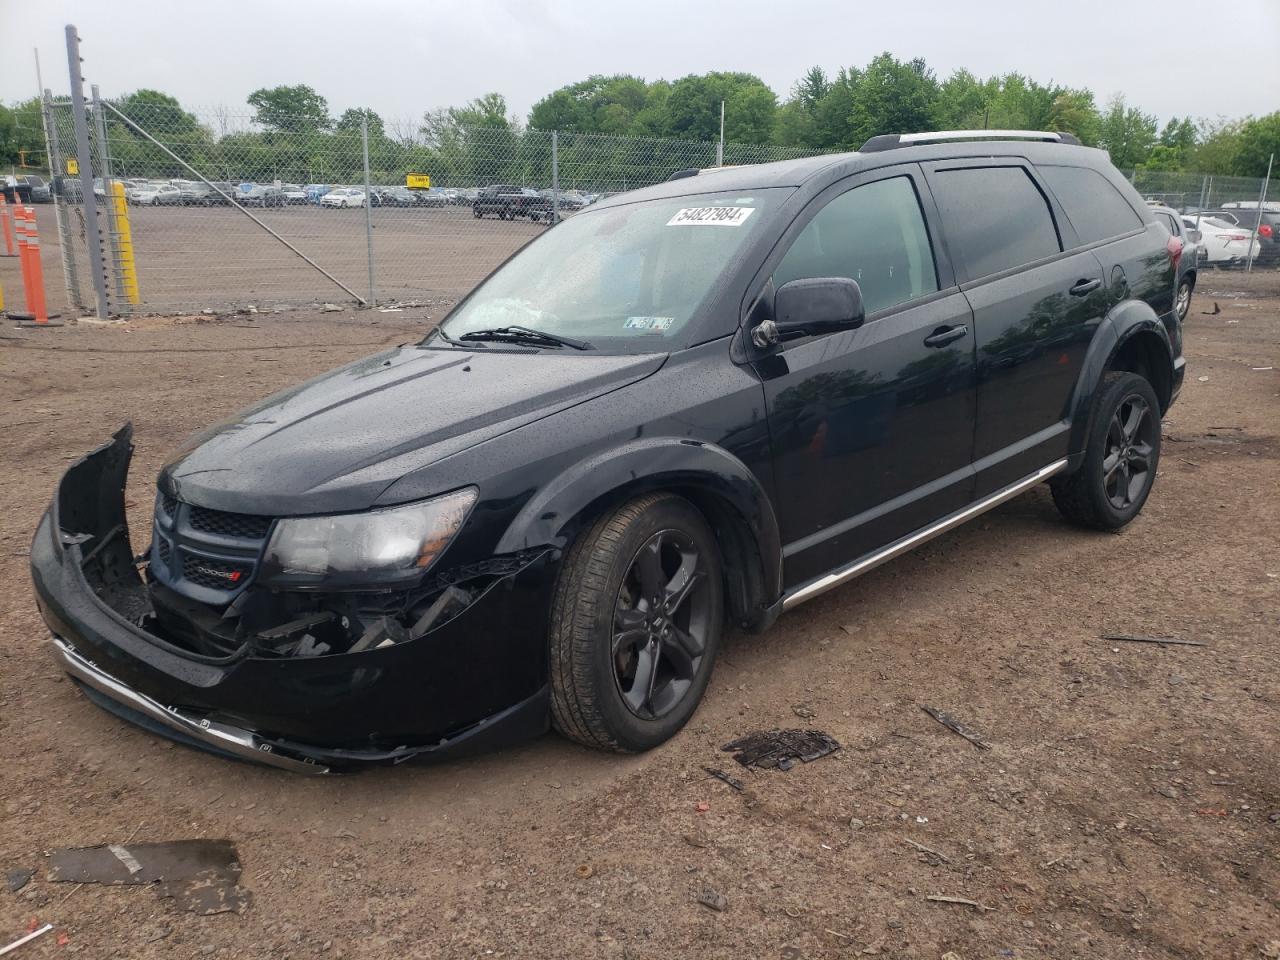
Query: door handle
[[1085, 287], [944, 335]]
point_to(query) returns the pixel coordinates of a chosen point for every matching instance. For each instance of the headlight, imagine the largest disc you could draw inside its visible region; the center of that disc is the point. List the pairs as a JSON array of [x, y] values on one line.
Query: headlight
[[372, 547]]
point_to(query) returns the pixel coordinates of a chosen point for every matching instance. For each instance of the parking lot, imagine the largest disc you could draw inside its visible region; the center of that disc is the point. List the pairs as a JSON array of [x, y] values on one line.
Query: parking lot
[[1128, 806], [216, 258]]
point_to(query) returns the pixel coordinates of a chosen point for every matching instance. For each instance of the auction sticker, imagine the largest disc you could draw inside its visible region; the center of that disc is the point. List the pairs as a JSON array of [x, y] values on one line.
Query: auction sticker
[[648, 323], [710, 217]]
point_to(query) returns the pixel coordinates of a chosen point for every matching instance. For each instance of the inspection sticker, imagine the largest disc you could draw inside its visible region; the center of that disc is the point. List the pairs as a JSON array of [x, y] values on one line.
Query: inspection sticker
[[648, 323], [710, 217]]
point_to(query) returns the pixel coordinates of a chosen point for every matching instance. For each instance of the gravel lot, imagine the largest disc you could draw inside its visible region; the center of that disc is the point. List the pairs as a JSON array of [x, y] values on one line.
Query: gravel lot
[[198, 257], [1128, 806]]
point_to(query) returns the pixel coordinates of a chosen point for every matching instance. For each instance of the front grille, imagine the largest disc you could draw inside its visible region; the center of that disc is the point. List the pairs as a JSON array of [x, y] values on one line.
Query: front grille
[[168, 505], [211, 572], [241, 525], [166, 551]]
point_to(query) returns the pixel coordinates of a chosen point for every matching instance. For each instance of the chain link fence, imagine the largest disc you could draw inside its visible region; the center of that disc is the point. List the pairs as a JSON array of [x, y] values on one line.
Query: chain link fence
[[223, 214]]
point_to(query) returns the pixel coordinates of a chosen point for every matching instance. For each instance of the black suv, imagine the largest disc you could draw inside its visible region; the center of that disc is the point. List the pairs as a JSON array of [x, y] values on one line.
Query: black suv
[[752, 386]]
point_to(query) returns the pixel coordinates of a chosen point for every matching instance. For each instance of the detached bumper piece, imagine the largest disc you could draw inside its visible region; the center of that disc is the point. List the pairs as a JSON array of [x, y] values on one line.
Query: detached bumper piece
[[474, 682]]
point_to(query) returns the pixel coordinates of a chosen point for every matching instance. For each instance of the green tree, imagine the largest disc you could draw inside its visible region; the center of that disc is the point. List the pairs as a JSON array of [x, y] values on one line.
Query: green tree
[[351, 119], [290, 109], [22, 133], [892, 96], [693, 108], [1259, 140], [1126, 133]]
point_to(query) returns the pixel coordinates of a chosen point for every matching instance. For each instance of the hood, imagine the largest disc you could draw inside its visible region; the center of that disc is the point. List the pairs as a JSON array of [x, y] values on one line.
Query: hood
[[334, 443]]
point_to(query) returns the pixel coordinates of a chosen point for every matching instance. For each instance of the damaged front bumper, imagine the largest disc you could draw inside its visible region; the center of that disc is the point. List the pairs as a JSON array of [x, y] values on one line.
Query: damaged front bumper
[[475, 682]]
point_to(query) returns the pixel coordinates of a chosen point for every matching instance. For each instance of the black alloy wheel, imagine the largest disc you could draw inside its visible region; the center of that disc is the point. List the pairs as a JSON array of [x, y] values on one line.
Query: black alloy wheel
[[1126, 470], [660, 621], [635, 623]]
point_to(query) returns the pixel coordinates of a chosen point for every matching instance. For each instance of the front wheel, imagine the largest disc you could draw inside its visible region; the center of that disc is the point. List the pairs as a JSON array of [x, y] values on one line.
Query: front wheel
[[635, 622], [1122, 453]]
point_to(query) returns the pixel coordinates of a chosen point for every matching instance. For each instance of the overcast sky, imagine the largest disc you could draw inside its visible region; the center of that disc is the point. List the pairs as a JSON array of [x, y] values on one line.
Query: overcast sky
[[402, 58]]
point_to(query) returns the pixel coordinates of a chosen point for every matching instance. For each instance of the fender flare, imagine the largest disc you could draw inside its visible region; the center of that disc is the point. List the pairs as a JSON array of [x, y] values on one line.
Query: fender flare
[[553, 515], [1125, 321]]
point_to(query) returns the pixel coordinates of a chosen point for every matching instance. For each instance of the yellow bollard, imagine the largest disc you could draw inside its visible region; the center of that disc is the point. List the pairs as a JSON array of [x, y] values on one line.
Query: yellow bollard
[[128, 266]]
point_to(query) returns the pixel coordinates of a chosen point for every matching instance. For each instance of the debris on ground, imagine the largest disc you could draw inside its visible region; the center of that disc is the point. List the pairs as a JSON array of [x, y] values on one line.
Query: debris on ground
[[331, 308], [713, 899], [962, 901], [803, 711], [1130, 638], [701, 806], [39, 932], [725, 778], [936, 854], [201, 876], [956, 727], [767, 749], [15, 880], [584, 871]]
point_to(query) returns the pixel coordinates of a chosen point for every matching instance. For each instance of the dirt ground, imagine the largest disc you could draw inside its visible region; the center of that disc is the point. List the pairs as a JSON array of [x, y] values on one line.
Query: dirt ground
[[1128, 806], [197, 257]]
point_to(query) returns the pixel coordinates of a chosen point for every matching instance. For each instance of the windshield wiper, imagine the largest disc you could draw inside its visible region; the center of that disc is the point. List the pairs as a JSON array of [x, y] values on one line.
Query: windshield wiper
[[448, 339], [515, 334]]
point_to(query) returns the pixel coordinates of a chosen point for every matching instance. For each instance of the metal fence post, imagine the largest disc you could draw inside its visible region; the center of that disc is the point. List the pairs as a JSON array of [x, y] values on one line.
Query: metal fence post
[[70, 276], [113, 231], [555, 178], [85, 159], [368, 201], [1262, 199]]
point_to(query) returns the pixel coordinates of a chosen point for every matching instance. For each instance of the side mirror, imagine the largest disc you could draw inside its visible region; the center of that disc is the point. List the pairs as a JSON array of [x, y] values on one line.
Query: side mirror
[[817, 305], [1195, 236]]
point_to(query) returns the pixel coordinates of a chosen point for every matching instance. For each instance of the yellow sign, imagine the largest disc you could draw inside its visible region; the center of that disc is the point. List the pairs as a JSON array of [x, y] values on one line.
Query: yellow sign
[[73, 168], [418, 181]]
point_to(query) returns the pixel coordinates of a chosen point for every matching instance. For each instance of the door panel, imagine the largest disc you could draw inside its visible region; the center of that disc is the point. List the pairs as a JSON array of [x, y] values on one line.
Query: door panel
[[1032, 336], [872, 434]]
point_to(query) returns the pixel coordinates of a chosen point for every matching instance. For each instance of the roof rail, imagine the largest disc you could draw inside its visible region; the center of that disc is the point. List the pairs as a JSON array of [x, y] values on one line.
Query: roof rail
[[681, 174], [892, 141]]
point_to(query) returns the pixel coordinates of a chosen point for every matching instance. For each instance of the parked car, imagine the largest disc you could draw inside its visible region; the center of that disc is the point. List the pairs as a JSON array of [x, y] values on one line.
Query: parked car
[[509, 202], [196, 193], [155, 195], [40, 192], [68, 189], [568, 202], [753, 385], [260, 195], [314, 191], [393, 197], [343, 197], [293, 194], [15, 190], [1267, 227], [1193, 254], [1226, 243]]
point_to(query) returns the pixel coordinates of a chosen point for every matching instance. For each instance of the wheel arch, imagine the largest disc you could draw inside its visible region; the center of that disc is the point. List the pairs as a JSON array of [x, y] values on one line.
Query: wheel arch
[[717, 483], [1131, 338]]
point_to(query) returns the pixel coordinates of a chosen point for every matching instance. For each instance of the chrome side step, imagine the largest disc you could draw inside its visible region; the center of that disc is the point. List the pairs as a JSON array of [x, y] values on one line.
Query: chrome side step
[[896, 549]]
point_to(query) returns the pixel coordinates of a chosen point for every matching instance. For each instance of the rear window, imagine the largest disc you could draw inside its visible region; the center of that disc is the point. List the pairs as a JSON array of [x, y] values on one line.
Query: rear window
[[996, 218], [1094, 206]]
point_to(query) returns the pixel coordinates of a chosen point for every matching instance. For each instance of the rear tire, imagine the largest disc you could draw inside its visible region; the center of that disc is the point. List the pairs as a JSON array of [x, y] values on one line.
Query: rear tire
[[635, 623], [1183, 301], [1122, 454]]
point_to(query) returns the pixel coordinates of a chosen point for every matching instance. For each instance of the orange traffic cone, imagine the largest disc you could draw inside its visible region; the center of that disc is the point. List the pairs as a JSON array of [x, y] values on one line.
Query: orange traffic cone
[[37, 314]]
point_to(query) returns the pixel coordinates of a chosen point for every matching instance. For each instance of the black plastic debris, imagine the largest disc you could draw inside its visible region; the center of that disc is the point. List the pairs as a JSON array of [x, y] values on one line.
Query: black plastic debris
[[202, 876], [15, 880], [767, 749]]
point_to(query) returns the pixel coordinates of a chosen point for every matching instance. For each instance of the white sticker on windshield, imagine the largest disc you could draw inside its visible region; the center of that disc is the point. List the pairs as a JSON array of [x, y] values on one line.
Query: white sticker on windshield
[[648, 323], [710, 217]]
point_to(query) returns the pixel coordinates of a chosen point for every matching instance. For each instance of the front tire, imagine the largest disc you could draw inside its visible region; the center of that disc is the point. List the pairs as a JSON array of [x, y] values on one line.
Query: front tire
[[635, 623], [1122, 454]]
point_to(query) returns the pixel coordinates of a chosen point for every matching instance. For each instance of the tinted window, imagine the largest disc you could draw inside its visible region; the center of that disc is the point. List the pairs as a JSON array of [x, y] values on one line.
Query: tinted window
[[1168, 223], [1095, 208], [996, 218], [874, 234]]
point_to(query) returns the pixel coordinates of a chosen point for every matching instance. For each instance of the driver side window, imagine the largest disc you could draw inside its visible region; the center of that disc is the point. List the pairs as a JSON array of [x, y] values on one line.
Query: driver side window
[[874, 234]]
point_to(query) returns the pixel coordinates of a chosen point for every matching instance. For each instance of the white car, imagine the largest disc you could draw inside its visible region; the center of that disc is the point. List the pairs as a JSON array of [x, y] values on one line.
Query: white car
[[1225, 244], [293, 194], [343, 197], [155, 195]]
